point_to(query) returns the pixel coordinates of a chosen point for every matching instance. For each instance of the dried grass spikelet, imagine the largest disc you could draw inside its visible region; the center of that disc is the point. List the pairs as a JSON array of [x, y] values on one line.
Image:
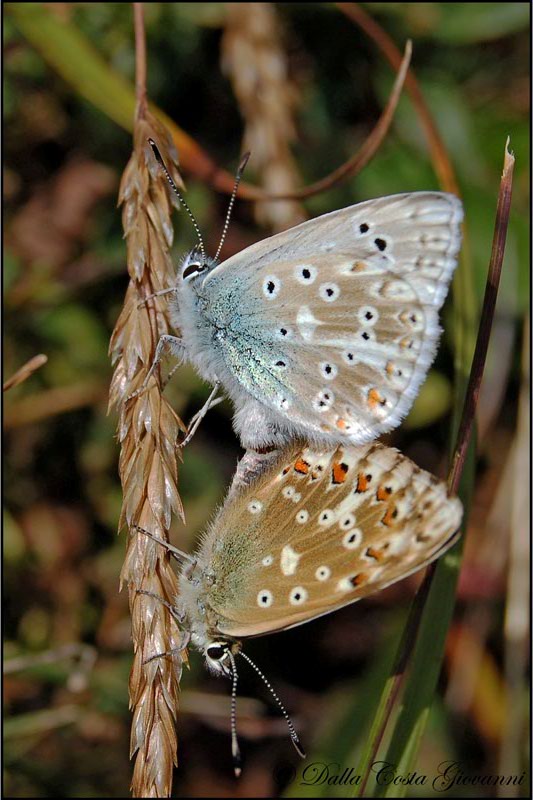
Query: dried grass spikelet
[[148, 430], [256, 64]]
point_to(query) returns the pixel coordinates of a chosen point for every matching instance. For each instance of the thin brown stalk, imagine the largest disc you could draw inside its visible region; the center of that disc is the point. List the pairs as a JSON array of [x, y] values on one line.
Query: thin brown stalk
[[195, 160], [485, 324], [24, 372], [439, 155], [355, 164], [411, 629], [39, 406], [148, 430], [349, 168], [140, 60]]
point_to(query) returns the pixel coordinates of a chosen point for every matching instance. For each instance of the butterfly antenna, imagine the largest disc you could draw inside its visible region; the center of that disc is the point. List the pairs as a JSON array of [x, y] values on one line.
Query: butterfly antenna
[[235, 749], [159, 159], [238, 177], [294, 736]]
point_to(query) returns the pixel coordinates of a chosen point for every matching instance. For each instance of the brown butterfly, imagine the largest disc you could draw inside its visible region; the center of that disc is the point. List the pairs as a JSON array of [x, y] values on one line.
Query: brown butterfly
[[311, 533]]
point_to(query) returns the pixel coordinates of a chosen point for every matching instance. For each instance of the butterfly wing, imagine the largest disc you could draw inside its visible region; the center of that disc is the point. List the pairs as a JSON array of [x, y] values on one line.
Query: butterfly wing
[[319, 531], [334, 323]]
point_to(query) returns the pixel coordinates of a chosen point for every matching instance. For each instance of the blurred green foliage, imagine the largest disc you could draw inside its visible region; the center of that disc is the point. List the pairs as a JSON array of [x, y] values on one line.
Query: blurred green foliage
[[64, 282]]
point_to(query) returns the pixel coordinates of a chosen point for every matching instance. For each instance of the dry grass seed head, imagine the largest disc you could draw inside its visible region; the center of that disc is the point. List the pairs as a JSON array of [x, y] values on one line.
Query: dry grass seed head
[[148, 429], [255, 61]]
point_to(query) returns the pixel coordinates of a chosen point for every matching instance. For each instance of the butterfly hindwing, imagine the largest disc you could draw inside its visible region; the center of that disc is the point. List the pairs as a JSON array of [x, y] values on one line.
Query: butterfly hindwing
[[337, 319], [318, 531]]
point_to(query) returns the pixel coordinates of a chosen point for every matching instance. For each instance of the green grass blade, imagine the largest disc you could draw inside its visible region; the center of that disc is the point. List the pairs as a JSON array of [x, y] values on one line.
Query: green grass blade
[[426, 661], [65, 48], [428, 651], [73, 57], [351, 712]]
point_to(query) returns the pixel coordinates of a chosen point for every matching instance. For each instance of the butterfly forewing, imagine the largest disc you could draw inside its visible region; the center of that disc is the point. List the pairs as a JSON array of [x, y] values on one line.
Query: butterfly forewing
[[335, 322], [319, 531]]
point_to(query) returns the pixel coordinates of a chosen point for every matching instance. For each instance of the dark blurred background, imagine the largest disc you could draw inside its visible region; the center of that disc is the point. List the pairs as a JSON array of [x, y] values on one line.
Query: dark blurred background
[[67, 646]]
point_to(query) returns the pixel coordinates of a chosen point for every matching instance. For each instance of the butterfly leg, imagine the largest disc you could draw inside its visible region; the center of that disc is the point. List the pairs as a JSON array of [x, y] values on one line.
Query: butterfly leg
[[178, 616], [176, 347], [211, 401], [173, 652], [179, 555], [170, 374]]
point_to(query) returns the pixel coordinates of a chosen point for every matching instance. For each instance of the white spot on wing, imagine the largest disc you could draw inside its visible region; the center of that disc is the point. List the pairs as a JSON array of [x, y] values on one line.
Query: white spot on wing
[[329, 292], [352, 539], [349, 357], [322, 573], [347, 522], [291, 494], [328, 370], [289, 560], [344, 585], [271, 287], [305, 273], [298, 596], [326, 517], [398, 290], [306, 322], [323, 400], [264, 598], [368, 315]]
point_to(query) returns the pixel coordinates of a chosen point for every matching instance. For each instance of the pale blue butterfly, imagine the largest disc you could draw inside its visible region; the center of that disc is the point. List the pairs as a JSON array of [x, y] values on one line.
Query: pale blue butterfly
[[324, 331]]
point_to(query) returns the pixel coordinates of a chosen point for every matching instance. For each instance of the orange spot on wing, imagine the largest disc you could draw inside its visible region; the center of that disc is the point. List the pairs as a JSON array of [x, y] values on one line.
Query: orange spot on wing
[[358, 579], [389, 516], [301, 466], [383, 493], [316, 472], [338, 472], [362, 482], [374, 398], [341, 423], [358, 266], [373, 552]]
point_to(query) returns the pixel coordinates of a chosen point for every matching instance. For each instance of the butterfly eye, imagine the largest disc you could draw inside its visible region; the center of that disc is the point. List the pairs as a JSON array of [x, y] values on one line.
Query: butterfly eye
[[193, 269], [216, 651]]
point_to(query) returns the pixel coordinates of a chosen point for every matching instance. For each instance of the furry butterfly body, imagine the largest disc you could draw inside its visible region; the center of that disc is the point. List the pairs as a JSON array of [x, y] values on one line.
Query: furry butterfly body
[[324, 331]]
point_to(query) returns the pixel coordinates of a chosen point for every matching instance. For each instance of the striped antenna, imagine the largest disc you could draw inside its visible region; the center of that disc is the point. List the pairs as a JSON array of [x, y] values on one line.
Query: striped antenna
[[294, 736], [176, 191], [238, 177], [235, 749]]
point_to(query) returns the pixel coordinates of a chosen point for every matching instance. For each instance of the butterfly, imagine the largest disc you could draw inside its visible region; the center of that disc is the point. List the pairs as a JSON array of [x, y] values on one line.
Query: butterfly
[[308, 533], [324, 331]]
